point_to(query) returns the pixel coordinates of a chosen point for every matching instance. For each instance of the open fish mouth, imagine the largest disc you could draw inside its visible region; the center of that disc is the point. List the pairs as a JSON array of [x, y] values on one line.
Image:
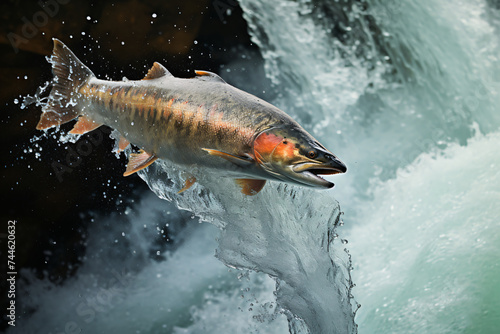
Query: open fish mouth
[[324, 171], [314, 175], [310, 174]]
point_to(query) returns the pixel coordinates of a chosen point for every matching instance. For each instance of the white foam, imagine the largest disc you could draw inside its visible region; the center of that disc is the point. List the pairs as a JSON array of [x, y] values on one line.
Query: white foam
[[426, 247]]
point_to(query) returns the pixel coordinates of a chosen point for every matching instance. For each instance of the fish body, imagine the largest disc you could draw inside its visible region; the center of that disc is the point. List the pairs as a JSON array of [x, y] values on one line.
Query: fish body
[[197, 121], [175, 117]]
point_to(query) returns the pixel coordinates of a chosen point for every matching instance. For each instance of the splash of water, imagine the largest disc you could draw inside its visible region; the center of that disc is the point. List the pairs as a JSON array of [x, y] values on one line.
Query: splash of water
[[280, 232]]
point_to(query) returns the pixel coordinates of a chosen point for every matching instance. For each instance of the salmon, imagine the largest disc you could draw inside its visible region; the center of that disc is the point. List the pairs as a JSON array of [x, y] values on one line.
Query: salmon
[[201, 121]]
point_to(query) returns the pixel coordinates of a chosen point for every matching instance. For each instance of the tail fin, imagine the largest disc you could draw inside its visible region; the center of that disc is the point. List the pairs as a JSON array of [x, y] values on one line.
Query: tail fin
[[69, 75]]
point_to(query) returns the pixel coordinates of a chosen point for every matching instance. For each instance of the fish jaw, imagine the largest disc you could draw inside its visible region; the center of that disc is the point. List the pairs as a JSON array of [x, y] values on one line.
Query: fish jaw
[[308, 173]]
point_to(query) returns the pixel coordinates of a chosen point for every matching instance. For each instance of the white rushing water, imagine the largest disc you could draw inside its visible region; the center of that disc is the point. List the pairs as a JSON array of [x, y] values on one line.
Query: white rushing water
[[416, 82], [421, 196], [280, 232], [407, 94]]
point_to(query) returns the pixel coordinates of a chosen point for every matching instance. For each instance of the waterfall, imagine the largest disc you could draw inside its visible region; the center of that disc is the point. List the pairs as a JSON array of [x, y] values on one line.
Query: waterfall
[[407, 94]]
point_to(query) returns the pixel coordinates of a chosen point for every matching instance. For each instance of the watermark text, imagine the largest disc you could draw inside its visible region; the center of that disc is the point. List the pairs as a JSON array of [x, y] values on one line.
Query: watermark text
[[11, 272]]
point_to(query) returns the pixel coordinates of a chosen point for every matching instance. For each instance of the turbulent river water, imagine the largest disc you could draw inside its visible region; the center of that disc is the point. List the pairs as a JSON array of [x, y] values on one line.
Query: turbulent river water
[[407, 94]]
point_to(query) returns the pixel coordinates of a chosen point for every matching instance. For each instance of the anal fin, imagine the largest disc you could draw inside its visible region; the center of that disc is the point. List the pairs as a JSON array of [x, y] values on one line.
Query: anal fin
[[188, 184], [250, 187], [123, 143], [84, 125], [51, 116], [138, 161]]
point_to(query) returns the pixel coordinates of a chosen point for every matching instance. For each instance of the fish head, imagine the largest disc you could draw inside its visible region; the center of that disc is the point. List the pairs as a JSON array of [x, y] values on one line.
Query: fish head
[[292, 155]]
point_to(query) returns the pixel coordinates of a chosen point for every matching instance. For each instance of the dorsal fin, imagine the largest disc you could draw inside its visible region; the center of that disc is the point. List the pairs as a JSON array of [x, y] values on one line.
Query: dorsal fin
[[208, 76], [157, 71]]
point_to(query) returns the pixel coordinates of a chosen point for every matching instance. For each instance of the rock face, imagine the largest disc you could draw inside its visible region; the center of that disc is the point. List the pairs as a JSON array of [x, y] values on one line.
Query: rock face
[[165, 27], [168, 27]]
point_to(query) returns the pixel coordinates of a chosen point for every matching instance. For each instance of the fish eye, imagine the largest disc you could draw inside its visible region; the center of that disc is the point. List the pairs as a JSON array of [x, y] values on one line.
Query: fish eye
[[312, 154]]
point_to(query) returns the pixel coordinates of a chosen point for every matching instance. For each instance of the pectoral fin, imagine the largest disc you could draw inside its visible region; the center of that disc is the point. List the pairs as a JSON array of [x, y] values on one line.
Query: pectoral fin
[[138, 161], [250, 187], [187, 184], [84, 125], [238, 160]]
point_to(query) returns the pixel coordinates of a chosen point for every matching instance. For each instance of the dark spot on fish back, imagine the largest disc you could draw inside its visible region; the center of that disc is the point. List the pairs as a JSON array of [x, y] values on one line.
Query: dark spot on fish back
[[220, 134], [177, 121], [187, 128], [167, 115]]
